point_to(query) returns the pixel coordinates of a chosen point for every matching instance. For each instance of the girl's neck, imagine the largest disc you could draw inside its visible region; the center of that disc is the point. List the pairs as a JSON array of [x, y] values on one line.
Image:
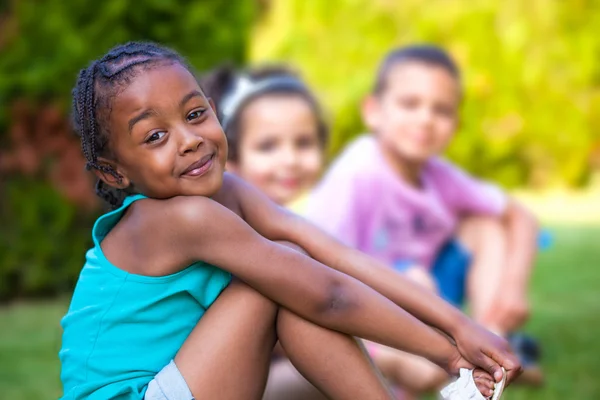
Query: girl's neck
[[408, 171]]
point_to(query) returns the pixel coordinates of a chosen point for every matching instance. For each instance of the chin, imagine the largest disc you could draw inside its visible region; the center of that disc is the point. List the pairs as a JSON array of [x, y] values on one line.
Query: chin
[[415, 156]]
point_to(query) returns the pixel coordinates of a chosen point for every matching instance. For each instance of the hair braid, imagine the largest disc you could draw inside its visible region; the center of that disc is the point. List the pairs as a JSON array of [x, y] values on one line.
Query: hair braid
[[95, 88]]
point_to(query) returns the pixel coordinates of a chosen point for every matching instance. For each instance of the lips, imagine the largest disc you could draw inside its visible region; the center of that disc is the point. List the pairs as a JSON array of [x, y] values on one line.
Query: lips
[[200, 167], [289, 183]]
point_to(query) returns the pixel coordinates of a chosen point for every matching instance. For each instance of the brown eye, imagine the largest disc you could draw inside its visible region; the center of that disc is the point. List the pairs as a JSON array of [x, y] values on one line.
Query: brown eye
[[267, 146], [195, 115], [408, 102], [306, 142], [444, 110], [155, 136]]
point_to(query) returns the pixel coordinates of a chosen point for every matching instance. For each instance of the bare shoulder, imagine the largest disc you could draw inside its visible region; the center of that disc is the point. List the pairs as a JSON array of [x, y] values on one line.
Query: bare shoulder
[[230, 193], [179, 210], [156, 237]]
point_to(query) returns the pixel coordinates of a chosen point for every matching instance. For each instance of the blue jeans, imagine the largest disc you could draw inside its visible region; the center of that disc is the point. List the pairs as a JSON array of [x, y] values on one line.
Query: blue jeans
[[449, 271]]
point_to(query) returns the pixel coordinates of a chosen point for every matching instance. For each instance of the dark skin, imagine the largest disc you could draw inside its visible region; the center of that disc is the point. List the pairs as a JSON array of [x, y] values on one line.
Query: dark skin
[[166, 142]]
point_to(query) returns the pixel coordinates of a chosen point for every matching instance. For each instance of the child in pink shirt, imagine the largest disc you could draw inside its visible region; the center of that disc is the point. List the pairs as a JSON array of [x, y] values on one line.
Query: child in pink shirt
[[389, 194]]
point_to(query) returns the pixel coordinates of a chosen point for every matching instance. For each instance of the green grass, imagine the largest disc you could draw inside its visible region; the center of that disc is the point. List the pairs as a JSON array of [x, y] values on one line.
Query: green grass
[[566, 319]]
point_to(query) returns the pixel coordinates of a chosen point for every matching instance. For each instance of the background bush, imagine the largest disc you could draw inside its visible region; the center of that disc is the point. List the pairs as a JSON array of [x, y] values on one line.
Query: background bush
[[530, 117], [45, 221], [531, 71]]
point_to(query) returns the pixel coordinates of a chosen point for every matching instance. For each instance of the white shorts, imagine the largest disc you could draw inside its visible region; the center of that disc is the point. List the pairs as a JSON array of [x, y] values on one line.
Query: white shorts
[[168, 384]]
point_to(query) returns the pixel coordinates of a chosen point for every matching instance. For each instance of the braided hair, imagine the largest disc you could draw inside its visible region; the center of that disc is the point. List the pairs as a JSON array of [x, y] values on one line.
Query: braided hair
[[96, 86]]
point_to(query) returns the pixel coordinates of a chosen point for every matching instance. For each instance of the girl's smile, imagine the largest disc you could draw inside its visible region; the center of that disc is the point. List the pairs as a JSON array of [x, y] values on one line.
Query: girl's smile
[[165, 137], [200, 167]]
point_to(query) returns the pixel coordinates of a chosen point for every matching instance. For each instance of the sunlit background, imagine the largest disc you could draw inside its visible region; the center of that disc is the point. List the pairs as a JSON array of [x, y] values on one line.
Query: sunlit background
[[530, 121]]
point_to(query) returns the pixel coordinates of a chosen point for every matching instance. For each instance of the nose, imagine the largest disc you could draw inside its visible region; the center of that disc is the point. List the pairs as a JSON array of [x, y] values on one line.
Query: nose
[[189, 140], [290, 156], [425, 115]]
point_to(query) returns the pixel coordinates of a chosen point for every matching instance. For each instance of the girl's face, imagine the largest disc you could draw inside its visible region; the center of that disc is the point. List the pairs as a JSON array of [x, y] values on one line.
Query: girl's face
[[279, 148], [164, 135], [416, 115]]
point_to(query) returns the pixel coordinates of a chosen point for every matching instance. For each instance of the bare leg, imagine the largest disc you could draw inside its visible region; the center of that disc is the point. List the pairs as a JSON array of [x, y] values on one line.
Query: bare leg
[[335, 363], [414, 374], [486, 239], [227, 355], [286, 383]]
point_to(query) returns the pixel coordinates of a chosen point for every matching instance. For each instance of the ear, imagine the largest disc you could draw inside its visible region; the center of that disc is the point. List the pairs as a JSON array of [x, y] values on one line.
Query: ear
[[370, 111], [117, 179]]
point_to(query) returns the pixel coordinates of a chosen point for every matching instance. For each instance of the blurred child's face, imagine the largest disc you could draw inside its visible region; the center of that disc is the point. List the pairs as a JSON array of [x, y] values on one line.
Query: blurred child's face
[[279, 149], [416, 115], [164, 135]]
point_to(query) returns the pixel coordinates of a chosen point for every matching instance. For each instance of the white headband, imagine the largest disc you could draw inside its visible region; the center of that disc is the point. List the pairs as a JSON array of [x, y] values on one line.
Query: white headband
[[244, 88]]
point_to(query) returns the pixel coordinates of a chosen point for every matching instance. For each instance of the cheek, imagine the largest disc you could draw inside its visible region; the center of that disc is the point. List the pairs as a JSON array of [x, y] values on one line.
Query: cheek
[[256, 168], [312, 162], [445, 130]]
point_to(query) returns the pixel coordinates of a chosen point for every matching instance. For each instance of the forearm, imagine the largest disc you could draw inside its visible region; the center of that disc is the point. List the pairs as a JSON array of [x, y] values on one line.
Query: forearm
[[340, 302], [364, 313], [522, 231], [421, 303]]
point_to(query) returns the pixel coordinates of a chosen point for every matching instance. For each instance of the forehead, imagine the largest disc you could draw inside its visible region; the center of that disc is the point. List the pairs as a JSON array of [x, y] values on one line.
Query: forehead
[[415, 76], [282, 110], [156, 87]]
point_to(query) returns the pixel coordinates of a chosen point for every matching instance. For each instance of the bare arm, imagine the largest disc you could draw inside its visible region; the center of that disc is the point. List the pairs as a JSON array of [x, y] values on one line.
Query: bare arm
[[208, 231], [477, 345], [277, 223]]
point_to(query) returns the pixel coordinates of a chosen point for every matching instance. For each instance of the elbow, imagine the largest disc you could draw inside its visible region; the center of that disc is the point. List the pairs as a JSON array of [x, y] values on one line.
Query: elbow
[[338, 301]]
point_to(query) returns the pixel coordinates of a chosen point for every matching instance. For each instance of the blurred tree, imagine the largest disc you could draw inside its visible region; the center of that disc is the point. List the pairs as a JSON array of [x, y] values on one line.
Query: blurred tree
[[45, 195], [531, 73]]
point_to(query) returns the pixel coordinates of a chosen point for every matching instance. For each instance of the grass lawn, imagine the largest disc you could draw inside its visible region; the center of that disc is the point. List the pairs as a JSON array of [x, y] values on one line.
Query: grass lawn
[[566, 319]]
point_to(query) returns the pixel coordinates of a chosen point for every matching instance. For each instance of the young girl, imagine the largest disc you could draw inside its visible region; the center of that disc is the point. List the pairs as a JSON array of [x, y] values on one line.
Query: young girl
[[274, 127], [153, 317], [391, 196]]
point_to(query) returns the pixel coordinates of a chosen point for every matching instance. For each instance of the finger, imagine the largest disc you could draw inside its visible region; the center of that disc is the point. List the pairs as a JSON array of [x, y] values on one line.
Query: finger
[[491, 366], [511, 364]]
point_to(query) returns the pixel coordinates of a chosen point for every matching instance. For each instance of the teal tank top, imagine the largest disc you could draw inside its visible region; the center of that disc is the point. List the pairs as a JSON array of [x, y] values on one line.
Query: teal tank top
[[121, 329]]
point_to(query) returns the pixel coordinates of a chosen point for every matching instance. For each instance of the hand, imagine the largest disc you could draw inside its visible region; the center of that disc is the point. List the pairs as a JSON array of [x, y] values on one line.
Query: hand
[[487, 351], [509, 312]]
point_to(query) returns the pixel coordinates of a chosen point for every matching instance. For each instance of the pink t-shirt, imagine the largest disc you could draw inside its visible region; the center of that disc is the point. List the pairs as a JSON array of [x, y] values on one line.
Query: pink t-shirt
[[363, 202]]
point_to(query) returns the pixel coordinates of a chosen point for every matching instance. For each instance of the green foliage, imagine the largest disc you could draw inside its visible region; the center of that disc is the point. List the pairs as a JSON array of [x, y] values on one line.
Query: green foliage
[[43, 44], [49, 41], [531, 70], [42, 240]]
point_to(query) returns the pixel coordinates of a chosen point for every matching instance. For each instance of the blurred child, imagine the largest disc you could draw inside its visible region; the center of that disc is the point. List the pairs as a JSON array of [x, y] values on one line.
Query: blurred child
[[390, 195], [153, 317], [275, 129]]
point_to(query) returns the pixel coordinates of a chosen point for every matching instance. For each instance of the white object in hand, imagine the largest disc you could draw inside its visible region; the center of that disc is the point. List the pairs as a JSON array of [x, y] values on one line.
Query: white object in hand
[[464, 388]]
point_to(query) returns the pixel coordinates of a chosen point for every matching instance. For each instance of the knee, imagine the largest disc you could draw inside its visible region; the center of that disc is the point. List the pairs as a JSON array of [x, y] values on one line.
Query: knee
[[254, 301], [473, 230]]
